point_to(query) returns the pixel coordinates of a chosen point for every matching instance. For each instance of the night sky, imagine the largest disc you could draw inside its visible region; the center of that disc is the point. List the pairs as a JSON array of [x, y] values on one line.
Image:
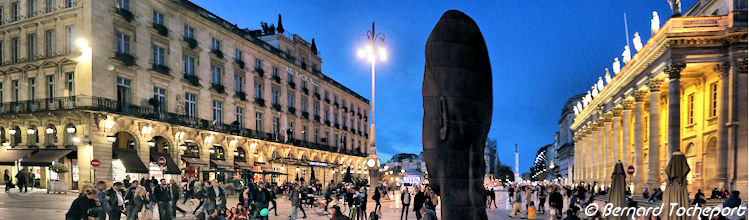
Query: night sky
[[542, 53]]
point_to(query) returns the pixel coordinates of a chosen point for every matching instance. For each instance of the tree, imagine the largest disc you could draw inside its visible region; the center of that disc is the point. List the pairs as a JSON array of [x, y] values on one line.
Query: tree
[[314, 46], [505, 173], [280, 25]]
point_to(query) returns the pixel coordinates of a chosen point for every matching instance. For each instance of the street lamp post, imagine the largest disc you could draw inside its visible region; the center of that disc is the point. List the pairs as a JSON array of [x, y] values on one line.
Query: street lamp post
[[374, 49]]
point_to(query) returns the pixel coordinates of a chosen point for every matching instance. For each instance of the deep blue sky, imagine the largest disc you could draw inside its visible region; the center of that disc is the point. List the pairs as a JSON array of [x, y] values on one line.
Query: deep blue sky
[[542, 53]]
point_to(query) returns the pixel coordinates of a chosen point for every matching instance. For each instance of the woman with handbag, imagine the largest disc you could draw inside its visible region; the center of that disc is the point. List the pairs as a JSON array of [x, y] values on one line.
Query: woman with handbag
[[135, 206]]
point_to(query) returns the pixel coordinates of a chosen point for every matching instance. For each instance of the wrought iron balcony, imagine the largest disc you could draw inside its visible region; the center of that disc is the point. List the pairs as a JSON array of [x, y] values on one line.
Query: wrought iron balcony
[[260, 102]]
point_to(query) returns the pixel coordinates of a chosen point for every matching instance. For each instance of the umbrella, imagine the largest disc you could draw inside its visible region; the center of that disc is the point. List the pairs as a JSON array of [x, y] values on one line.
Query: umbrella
[[618, 187], [676, 186]]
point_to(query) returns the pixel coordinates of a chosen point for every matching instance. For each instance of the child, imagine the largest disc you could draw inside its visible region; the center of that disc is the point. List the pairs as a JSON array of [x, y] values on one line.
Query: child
[[531, 210]]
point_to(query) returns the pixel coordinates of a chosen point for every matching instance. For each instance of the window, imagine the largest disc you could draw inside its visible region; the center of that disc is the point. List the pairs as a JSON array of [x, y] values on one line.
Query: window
[[240, 116], [71, 84], [14, 12], [1, 103], [275, 96], [259, 121], [158, 18], [290, 131], [15, 90], [69, 3], [1, 45], [314, 89], [327, 137], [291, 101], [690, 109], [215, 44], [275, 71], [50, 6], [31, 8], [123, 91], [239, 83], [217, 112], [237, 54], [190, 105], [189, 65], [304, 84], [31, 46], [215, 75], [189, 32], [32, 88], [49, 42], [335, 117], [1, 15], [158, 55], [69, 38], [258, 63], [50, 86], [317, 136], [304, 133], [326, 95], [713, 99], [14, 49], [258, 90], [160, 95], [336, 140], [304, 105], [326, 115], [123, 43], [344, 119], [276, 127], [316, 109], [290, 77]]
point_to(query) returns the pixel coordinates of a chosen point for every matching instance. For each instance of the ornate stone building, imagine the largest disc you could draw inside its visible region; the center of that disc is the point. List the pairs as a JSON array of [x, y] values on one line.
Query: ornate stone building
[[685, 90], [129, 82]]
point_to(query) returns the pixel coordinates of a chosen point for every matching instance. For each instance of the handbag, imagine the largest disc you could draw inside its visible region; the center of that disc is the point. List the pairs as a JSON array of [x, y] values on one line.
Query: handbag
[[145, 213]]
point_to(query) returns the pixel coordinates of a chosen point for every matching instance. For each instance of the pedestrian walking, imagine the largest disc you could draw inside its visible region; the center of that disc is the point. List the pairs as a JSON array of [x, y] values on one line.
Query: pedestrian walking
[[116, 201], [518, 206], [215, 197], [103, 199], [21, 180], [492, 197], [163, 199], [541, 200], [294, 197], [126, 182], [272, 200], [419, 199], [201, 195], [189, 190], [81, 206], [376, 197], [175, 192], [406, 202], [136, 199], [8, 181], [363, 204]]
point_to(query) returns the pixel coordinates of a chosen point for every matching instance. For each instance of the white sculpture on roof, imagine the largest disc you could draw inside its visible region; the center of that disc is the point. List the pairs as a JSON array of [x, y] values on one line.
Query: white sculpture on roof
[[607, 76], [616, 66], [626, 55], [637, 41], [655, 23]]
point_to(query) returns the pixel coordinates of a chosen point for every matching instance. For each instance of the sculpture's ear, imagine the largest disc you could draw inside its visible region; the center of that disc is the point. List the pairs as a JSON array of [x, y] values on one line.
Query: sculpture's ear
[[443, 118]]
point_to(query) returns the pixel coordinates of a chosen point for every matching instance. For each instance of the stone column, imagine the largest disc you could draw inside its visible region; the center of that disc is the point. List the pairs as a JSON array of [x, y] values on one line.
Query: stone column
[[721, 176], [601, 151], [616, 128], [627, 106], [608, 160], [674, 107], [639, 139], [589, 165], [654, 138], [594, 150]]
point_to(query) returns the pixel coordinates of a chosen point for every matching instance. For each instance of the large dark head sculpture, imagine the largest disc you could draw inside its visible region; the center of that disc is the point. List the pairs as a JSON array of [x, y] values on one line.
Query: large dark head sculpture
[[457, 94]]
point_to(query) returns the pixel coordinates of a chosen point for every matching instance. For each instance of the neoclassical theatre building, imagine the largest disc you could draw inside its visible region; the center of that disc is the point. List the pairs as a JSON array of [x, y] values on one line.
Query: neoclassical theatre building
[[685, 90], [166, 88]]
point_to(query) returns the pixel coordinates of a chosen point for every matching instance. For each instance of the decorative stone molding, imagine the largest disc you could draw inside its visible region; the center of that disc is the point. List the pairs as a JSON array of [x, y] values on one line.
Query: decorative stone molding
[[617, 111], [674, 70], [655, 85], [607, 117], [641, 95], [741, 64], [723, 68], [628, 104]]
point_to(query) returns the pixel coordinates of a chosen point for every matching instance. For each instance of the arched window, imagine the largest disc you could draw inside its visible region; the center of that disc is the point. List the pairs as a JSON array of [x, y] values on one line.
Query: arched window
[[69, 135], [190, 149], [217, 152], [15, 136], [240, 155], [32, 136], [689, 150], [124, 140], [2, 135], [159, 144], [50, 138]]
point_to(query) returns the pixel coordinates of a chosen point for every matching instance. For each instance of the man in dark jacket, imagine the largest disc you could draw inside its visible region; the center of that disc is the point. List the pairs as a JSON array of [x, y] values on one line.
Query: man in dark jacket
[[116, 201], [419, 200], [556, 200], [130, 192], [175, 198], [189, 190], [21, 180], [164, 198], [126, 182], [215, 197]]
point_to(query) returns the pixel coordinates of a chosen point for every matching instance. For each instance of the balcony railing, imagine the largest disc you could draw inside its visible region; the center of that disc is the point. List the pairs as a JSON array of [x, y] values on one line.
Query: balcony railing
[[125, 58], [161, 29], [277, 79], [126, 14], [219, 54], [292, 84], [276, 107], [239, 63], [260, 72], [305, 115], [191, 42], [147, 112], [317, 118], [305, 91], [241, 95], [291, 110], [260, 102], [163, 69]]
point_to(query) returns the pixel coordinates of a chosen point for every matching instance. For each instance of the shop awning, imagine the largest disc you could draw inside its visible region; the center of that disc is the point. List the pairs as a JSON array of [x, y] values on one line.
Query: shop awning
[[130, 160], [171, 167], [243, 165], [194, 162], [221, 164], [9, 157], [44, 157]]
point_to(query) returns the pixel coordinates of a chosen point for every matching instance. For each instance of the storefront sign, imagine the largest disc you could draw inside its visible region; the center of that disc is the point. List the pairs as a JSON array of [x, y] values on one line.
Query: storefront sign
[[318, 164]]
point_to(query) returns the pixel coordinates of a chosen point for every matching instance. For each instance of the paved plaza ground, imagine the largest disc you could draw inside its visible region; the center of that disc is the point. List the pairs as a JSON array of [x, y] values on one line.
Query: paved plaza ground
[[37, 204]]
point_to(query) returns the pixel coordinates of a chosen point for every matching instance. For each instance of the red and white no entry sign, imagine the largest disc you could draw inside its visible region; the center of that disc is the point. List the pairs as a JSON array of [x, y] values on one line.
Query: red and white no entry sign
[[162, 161], [630, 170], [95, 163]]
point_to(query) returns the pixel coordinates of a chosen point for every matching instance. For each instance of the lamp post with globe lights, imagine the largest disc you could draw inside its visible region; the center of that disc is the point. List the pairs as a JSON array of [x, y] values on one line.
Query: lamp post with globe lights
[[373, 50]]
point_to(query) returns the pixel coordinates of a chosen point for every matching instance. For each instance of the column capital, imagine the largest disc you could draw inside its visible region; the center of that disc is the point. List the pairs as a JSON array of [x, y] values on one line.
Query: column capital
[[607, 117], [655, 85], [641, 95], [616, 112], [628, 104], [741, 65], [722, 68], [674, 70]]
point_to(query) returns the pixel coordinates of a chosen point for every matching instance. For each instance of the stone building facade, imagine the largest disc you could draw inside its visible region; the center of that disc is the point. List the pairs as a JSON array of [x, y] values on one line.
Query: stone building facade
[[129, 82], [685, 90]]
